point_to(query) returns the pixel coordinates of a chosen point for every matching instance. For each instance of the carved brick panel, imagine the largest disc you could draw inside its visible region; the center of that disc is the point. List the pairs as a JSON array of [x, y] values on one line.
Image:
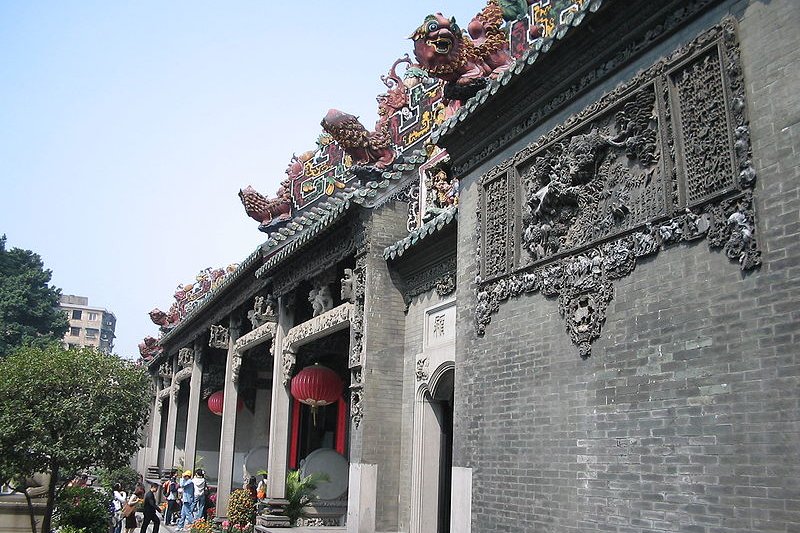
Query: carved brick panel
[[662, 159], [497, 208]]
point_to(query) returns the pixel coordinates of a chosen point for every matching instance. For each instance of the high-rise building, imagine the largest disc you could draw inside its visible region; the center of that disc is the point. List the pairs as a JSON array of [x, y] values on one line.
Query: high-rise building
[[88, 326]]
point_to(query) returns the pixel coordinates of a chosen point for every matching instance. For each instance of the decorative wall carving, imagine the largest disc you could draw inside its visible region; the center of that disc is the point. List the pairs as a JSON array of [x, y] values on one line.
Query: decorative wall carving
[[161, 396], [346, 291], [185, 357], [180, 376], [165, 370], [325, 255], [525, 120], [662, 159], [357, 340], [334, 320], [421, 371], [219, 337], [496, 205], [263, 311], [441, 277], [260, 335]]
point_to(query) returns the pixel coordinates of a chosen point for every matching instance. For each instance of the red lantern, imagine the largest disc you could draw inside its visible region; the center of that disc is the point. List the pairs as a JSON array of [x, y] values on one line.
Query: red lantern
[[316, 386], [217, 400]]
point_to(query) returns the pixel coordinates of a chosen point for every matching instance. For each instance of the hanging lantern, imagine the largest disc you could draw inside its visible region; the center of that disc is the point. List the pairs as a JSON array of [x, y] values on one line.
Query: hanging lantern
[[316, 386], [217, 400]]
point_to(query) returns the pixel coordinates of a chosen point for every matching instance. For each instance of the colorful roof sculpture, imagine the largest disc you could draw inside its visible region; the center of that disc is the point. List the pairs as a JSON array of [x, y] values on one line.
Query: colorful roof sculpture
[[455, 72]]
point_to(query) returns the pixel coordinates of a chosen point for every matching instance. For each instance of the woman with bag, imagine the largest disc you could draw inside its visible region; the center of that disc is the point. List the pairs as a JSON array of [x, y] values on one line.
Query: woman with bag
[[129, 510]]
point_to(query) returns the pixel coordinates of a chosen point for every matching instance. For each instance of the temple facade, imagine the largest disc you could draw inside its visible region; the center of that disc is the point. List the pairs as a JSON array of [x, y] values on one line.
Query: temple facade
[[554, 289]]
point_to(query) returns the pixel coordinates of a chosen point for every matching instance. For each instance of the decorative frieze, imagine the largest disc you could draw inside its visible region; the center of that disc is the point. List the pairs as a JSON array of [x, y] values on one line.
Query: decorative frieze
[[325, 255], [260, 335], [329, 322], [662, 159], [440, 276]]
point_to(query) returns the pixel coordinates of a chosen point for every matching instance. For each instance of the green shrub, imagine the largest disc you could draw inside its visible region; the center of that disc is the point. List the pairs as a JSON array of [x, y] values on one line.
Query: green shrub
[[125, 476], [300, 491], [83, 508]]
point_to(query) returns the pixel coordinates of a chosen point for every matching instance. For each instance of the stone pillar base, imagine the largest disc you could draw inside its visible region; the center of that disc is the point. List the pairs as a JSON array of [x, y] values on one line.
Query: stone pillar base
[[273, 514]]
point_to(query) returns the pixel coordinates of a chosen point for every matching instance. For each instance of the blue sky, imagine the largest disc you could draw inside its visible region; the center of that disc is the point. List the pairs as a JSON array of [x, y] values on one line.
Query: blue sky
[[127, 128]]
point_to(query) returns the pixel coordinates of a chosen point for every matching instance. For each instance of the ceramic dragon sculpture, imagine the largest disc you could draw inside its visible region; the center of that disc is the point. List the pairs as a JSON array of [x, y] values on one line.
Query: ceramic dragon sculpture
[[371, 149], [463, 62], [268, 211]]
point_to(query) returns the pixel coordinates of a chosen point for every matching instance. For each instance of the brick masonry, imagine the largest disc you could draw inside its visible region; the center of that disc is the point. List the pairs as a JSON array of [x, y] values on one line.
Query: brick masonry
[[380, 438], [686, 418]]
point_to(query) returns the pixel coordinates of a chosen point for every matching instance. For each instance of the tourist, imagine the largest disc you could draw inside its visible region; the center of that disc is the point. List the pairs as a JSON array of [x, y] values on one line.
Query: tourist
[[199, 482], [151, 510], [120, 499], [261, 490], [187, 498], [129, 511], [251, 487], [171, 492]]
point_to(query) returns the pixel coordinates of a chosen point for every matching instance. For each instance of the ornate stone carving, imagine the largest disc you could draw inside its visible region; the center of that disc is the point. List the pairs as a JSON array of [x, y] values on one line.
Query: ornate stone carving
[[321, 299], [605, 187], [440, 277], [543, 106], [325, 255], [413, 220], [421, 371], [496, 204], [180, 376], [261, 334], [310, 330], [346, 292], [263, 311], [357, 322], [185, 357], [219, 337], [165, 369], [356, 405], [161, 396]]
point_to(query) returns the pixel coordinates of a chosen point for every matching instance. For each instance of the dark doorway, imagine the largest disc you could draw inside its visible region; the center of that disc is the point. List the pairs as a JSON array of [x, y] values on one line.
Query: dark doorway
[[443, 397]]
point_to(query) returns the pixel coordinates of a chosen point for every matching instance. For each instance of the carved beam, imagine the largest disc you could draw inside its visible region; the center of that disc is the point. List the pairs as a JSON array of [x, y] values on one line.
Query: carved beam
[[320, 326]]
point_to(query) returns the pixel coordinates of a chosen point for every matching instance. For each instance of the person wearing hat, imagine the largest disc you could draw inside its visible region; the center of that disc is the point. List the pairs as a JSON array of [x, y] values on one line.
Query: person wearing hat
[[187, 509]]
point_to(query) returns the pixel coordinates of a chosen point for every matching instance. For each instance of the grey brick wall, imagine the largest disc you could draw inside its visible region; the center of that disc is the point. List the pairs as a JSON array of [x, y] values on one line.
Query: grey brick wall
[[383, 364], [686, 418]]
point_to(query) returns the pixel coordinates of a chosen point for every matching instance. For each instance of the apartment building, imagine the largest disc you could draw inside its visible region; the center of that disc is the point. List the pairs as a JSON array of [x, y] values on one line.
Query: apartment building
[[88, 326]]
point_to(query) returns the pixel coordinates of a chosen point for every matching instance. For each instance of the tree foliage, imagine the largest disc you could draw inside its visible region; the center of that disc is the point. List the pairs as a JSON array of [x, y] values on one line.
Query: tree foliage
[[64, 411], [28, 305], [83, 508]]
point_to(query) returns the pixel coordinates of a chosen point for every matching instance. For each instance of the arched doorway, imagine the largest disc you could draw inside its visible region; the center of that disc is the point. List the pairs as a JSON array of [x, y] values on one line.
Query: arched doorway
[[433, 453]]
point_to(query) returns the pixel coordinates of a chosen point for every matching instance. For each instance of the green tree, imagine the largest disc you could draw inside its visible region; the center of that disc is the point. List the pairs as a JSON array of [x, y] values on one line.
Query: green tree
[[28, 305], [64, 411]]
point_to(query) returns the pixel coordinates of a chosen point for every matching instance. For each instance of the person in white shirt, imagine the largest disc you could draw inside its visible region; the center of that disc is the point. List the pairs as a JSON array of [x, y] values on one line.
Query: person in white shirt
[[199, 482]]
